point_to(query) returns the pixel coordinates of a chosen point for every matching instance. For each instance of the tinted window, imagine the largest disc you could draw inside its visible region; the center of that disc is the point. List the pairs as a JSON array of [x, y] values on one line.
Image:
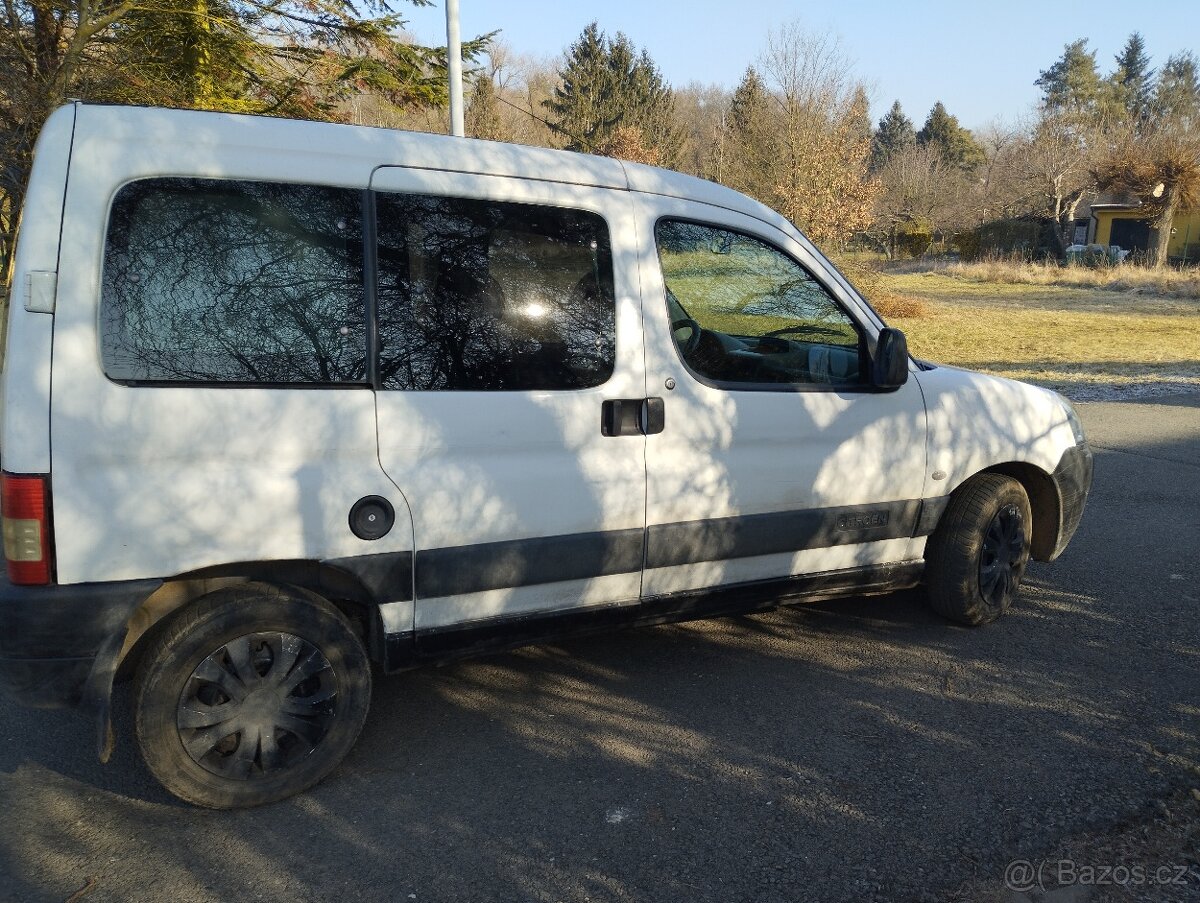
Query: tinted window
[[239, 282], [482, 295], [742, 311]]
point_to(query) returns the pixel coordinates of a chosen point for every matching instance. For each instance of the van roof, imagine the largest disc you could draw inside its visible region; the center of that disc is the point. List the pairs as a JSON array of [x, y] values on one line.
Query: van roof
[[396, 147]]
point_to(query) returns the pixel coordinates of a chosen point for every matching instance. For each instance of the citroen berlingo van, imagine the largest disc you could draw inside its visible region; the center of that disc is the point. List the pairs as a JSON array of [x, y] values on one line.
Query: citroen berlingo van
[[286, 403]]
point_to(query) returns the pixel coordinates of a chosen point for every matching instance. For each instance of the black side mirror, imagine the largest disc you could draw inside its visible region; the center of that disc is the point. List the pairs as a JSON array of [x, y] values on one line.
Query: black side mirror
[[889, 367]]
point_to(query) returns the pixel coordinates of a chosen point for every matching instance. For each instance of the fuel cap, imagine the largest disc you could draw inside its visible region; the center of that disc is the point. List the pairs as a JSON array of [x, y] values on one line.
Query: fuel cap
[[372, 517]]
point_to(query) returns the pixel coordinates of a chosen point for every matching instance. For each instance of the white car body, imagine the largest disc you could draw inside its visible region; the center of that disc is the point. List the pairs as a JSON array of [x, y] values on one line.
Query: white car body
[[508, 505]]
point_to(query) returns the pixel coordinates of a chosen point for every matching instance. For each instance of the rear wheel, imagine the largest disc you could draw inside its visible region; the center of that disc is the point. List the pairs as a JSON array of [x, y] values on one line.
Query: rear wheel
[[976, 557], [251, 695]]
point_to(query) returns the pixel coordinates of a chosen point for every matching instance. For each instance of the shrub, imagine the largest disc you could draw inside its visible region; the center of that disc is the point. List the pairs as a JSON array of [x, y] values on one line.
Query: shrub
[[876, 286]]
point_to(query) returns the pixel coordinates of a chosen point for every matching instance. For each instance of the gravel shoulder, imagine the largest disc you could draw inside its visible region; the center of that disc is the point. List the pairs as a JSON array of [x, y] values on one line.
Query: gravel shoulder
[[858, 750]]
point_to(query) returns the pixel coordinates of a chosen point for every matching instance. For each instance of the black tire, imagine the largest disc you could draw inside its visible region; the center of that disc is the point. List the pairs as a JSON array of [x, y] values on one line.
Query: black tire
[[976, 557], [294, 675]]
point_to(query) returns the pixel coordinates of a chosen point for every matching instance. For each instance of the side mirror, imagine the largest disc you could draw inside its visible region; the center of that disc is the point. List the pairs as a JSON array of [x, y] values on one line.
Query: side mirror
[[889, 366]]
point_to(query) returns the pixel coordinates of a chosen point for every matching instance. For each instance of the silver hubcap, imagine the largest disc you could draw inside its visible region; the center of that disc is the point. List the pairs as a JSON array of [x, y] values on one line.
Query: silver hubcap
[[256, 706]]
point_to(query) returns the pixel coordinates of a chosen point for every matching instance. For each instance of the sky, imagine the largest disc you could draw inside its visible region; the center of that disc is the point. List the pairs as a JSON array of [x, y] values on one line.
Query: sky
[[979, 58]]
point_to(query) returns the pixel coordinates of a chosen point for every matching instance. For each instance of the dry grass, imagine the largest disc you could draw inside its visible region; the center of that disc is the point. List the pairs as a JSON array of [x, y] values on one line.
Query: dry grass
[[1064, 338], [1168, 282], [940, 286]]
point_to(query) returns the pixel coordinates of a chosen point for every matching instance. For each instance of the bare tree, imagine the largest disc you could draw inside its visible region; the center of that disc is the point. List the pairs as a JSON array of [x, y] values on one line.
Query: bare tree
[[1055, 164], [700, 110], [998, 190], [821, 178], [920, 194]]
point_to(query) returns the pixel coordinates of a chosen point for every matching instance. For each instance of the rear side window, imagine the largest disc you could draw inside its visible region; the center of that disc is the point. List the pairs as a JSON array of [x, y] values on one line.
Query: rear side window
[[483, 295], [234, 282]]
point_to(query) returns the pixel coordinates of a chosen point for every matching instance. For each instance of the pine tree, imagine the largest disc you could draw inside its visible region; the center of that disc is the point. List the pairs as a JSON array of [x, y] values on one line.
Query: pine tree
[[1177, 95], [483, 111], [894, 134], [750, 104], [577, 105], [606, 86], [1133, 78], [956, 145], [1073, 86], [299, 58], [748, 139]]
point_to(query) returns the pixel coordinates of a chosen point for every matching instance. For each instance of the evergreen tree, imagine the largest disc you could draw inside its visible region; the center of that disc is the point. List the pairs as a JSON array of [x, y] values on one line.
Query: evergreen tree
[[1073, 87], [1133, 78], [748, 139], [894, 134], [483, 111], [1177, 95], [299, 58], [750, 105], [608, 86], [956, 145]]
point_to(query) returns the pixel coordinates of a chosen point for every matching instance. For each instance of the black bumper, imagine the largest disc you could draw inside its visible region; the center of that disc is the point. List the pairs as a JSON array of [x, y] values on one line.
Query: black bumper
[[52, 636], [1073, 479]]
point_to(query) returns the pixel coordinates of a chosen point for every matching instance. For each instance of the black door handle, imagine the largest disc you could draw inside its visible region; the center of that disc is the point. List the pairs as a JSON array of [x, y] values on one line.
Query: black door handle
[[654, 416], [632, 416]]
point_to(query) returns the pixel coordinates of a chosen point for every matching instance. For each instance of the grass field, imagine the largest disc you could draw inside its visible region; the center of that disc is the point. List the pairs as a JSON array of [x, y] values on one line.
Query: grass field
[[1086, 342]]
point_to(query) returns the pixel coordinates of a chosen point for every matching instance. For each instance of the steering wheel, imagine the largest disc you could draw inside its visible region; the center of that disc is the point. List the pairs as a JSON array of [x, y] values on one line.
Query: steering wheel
[[693, 340]]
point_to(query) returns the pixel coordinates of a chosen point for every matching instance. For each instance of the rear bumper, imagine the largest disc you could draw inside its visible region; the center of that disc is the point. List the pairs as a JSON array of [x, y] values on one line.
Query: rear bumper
[[52, 638], [1073, 479]]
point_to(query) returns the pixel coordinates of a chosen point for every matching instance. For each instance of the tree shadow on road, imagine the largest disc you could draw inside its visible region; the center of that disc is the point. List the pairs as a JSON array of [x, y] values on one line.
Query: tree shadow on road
[[855, 749]]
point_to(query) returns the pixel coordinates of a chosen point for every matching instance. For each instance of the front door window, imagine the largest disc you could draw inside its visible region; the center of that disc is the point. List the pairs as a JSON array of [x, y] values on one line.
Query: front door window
[[746, 315]]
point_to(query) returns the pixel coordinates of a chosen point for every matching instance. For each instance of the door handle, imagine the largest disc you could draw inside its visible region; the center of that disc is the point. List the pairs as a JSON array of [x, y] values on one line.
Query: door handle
[[654, 416], [632, 416]]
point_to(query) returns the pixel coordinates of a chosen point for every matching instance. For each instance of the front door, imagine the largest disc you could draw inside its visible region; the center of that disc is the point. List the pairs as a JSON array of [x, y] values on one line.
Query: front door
[[507, 312], [777, 456]]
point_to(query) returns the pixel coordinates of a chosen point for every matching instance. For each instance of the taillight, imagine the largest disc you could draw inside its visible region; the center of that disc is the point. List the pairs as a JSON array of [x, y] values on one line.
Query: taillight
[[25, 507]]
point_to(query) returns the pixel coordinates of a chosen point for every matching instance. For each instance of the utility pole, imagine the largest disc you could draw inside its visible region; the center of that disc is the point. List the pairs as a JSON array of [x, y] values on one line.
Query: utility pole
[[454, 67]]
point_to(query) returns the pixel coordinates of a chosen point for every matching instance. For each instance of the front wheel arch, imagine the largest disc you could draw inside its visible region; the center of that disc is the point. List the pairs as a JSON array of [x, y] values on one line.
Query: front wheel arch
[[1044, 502]]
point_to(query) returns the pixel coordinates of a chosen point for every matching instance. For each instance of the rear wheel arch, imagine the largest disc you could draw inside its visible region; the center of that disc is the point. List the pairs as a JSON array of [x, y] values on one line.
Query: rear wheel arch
[[331, 584]]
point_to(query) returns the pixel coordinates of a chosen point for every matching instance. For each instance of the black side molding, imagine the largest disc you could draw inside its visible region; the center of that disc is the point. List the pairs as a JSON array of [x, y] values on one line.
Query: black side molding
[[527, 562], [782, 531], [457, 570], [508, 632]]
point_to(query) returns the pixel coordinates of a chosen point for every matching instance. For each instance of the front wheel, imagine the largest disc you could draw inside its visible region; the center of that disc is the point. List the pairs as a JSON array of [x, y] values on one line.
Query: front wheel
[[976, 557], [251, 695]]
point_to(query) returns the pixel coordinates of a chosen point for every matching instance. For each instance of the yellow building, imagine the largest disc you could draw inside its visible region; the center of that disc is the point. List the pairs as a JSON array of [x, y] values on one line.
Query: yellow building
[[1126, 226]]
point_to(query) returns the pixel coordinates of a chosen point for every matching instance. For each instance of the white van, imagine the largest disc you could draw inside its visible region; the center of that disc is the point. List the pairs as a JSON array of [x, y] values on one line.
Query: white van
[[284, 401]]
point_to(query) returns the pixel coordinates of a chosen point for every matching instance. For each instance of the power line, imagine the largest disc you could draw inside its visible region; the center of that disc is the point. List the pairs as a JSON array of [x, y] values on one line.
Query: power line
[[554, 127]]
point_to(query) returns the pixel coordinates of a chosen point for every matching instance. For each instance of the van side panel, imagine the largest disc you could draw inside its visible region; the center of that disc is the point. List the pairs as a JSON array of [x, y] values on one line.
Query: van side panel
[[155, 481], [25, 390]]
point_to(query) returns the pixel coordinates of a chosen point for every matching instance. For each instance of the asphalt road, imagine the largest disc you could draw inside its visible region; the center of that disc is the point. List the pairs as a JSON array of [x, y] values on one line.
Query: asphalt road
[[855, 750]]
